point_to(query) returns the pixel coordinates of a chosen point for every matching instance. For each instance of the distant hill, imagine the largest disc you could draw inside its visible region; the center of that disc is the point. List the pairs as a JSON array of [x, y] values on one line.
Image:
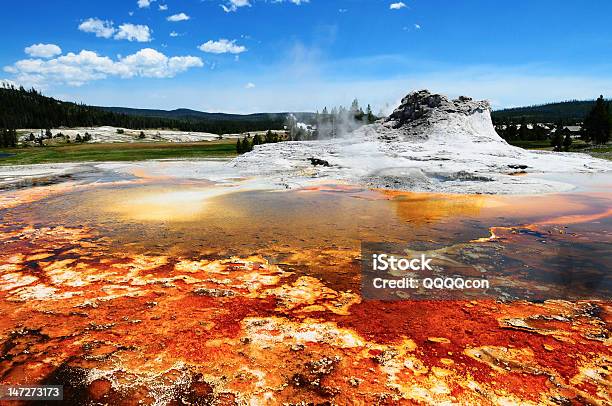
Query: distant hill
[[21, 108], [190, 115], [572, 111]]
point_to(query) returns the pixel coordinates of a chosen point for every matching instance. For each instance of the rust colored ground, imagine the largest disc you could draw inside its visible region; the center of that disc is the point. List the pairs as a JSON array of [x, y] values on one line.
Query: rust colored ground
[[253, 298]]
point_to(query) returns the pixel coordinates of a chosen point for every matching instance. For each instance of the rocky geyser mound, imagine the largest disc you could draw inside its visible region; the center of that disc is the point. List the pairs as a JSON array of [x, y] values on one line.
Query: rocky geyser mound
[[429, 143], [422, 108]]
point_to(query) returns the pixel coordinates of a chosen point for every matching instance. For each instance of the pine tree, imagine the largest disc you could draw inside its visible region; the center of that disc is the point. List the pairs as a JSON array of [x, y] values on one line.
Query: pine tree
[[557, 140], [523, 132], [246, 144], [269, 138], [597, 123], [370, 114], [239, 148], [567, 141], [355, 107], [511, 132]]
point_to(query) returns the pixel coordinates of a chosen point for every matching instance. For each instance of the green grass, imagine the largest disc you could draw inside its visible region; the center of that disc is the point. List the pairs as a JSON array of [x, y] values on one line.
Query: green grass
[[603, 152], [117, 152], [602, 149]]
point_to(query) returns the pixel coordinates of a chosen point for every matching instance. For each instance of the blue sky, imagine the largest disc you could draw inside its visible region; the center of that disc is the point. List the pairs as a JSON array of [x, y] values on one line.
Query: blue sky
[[280, 55]]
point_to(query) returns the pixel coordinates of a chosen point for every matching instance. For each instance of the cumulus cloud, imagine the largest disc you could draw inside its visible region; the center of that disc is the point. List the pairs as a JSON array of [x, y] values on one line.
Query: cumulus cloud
[[43, 50], [86, 66], [233, 5], [106, 29], [178, 17], [417, 26], [163, 7], [144, 3], [249, 85], [222, 46], [174, 34], [132, 32], [151, 63], [397, 6], [102, 29]]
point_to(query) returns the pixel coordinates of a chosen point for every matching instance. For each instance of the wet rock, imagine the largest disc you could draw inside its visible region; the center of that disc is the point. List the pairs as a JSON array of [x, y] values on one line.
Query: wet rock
[[385, 356], [312, 378], [99, 388], [521, 167], [214, 292], [323, 366], [318, 162]]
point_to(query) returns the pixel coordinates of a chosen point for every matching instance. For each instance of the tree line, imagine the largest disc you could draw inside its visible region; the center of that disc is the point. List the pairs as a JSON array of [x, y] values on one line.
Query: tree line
[[21, 108], [247, 143], [570, 111], [596, 128]]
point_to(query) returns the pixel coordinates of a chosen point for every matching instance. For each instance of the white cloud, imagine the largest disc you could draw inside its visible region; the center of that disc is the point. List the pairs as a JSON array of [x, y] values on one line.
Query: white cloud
[[102, 29], [151, 63], [43, 50], [233, 5], [132, 32], [417, 26], [178, 17], [222, 46], [174, 34], [397, 6], [86, 66], [249, 85], [296, 2], [144, 3], [106, 29], [163, 7]]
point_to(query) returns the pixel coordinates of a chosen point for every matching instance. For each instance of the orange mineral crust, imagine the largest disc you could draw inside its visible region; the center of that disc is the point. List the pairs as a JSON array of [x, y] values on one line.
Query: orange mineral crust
[[118, 320]]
